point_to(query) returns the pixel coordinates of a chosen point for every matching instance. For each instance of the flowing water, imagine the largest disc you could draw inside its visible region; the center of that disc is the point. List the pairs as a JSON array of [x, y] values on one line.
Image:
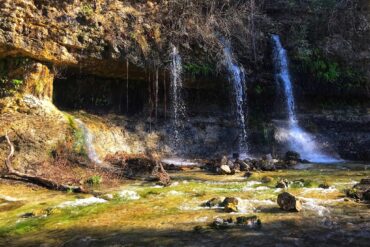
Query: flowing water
[[297, 139], [138, 213], [88, 139], [178, 104], [237, 78]]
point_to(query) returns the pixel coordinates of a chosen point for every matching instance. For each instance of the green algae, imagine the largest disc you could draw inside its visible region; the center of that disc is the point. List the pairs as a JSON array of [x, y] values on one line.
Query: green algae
[[179, 205]]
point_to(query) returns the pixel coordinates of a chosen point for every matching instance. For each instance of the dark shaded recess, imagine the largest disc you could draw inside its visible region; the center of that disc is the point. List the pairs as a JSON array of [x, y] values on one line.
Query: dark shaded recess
[[208, 97], [75, 91]]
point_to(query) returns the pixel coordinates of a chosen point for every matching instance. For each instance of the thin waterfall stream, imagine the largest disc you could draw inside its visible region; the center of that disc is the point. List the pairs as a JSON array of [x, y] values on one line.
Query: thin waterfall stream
[[88, 138], [237, 78], [178, 105], [298, 140]]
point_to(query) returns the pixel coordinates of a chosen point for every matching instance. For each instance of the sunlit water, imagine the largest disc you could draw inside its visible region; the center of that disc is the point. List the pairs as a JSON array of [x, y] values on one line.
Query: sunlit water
[[297, 139], [88, 139], [237, 78], [178, 105], [143, 213]]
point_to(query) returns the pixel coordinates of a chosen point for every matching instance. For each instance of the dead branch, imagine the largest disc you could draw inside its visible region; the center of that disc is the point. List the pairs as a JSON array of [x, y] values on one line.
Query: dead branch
[[16, 175]]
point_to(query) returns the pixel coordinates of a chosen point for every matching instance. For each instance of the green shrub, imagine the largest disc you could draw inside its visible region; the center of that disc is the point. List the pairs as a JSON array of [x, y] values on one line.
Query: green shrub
[[79, 144], [198, 69], [95, 180], [87, 10]]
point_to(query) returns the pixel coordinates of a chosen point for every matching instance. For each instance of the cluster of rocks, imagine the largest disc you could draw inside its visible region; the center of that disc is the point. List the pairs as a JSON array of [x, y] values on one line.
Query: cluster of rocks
[[246, 221], [226, 166], [229, 204], [360, 191]]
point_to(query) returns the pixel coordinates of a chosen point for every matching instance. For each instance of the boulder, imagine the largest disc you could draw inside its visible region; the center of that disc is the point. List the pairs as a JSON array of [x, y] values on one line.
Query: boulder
[[224, 161], [214, 202], [227, 200], [360, 191], [288, 202], [230, 204], [266, 179], [225, 170], [231, 208], [235, 168], [283, 184], [244, 165], [365, 181], [264, 165]]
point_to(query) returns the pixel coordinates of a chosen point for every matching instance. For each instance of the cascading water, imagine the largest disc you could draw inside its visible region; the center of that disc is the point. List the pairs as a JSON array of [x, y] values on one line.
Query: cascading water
[[297, 139], [237, 78], [91, 153], [178, 105]]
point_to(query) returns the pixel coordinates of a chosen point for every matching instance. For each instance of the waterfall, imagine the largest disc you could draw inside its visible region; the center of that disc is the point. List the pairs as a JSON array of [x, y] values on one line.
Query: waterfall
[[178, 105], [91, 153], [156, 95], [127, 86], [237, 78], [297, 139]]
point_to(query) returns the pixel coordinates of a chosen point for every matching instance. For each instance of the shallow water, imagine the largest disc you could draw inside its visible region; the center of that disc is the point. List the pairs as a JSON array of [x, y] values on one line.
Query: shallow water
[[138, 213]]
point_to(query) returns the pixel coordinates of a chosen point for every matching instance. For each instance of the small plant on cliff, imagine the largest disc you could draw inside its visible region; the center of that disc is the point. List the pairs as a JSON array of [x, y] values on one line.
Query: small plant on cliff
[[78, 136], [9, 87], [199, 69], [87, 10], [95, 180]]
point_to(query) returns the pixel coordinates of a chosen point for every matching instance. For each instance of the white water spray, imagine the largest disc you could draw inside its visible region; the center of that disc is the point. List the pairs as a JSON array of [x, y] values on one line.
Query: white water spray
[[91, 153], [178, 105], [298, 140], [237, 78]]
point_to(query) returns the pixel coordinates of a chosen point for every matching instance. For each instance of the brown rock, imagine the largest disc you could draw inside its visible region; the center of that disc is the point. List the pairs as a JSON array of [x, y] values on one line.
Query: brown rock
[[288, 202], [39, 81], [232, 200], [230, 208]]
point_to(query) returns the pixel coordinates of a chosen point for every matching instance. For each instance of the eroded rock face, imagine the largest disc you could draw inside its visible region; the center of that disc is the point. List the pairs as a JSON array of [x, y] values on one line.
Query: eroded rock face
[[38, 81], [35, 127]]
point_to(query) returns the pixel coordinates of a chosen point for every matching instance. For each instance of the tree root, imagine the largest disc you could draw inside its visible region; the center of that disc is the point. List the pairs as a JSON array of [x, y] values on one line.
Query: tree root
[[16, 175]]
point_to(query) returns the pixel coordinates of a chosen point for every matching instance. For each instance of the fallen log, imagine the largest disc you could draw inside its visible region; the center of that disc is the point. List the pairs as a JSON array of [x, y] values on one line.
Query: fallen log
[[49, 184]]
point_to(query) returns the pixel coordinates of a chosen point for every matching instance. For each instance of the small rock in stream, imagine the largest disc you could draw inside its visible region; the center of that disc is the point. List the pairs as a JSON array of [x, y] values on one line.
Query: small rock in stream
[[288, 202], [214, 202], [246, 221], [283, 184], [324, 185], [266, 179], [248, 174], [360, 191], [224, 170], [230, 204]]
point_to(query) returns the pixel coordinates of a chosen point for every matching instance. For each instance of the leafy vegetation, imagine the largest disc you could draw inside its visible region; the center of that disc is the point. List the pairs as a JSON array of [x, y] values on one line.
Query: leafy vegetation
[[79, 145], [199, 69], [95, 180], [87, 10], [328, 70], [10, 84]]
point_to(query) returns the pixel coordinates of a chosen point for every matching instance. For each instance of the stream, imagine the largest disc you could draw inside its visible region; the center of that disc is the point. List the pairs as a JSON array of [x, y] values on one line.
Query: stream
[[138, 213]]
